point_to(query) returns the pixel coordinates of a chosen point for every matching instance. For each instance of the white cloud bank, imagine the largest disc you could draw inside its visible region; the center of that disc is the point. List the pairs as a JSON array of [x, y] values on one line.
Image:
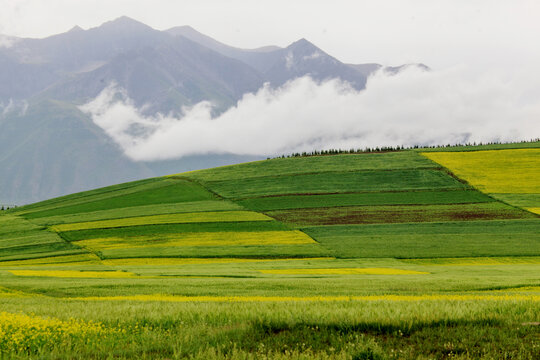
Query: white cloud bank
[[414, 107]]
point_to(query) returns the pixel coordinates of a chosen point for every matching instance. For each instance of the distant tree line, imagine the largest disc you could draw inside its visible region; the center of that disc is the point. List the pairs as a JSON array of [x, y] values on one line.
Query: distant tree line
[[390, 148], [7, 207]]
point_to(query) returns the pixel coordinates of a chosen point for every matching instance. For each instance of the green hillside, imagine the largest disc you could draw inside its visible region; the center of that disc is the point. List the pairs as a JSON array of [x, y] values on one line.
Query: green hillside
[[403, 229]]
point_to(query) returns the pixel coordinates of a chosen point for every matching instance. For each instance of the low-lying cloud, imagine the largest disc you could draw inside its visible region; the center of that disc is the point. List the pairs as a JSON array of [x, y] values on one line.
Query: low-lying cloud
[[414, 107]]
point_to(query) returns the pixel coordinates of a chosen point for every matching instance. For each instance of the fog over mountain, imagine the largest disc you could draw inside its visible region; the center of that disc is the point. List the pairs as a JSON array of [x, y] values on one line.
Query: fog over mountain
[[406, 109], [49, 147], [122, 101]]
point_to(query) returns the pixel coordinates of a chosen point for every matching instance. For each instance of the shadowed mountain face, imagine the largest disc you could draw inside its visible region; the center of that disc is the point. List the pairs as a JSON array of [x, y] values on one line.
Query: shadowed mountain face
[[303, 58], [48, 147]]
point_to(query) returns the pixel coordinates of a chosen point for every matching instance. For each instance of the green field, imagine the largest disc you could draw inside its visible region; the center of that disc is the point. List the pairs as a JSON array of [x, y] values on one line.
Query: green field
[[431, 240], [354, 256], [427, 197], [338, 182], [314, 164]]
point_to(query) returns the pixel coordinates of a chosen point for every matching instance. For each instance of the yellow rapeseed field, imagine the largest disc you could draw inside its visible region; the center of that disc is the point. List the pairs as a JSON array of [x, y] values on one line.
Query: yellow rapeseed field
[[209, 216], [344, 271], [495, 171], [443, 297], [194, 261], [75, 274], [24, 333], [225, 238], [535, 210]]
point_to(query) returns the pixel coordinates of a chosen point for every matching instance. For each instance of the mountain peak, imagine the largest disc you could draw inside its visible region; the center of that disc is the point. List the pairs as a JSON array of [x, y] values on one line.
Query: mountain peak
[[301, 42], [76, 28], [303, 46], [124, 19], [125, 22], [185, 27], [186, 31]]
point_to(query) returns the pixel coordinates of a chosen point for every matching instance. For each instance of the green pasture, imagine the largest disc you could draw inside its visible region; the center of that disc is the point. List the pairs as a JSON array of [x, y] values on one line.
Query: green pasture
[[142, 210], [339, 182], [243, 278], [314, 164], [426, 197], [194, 217], [165, 191], [435, 240], [81, 197]]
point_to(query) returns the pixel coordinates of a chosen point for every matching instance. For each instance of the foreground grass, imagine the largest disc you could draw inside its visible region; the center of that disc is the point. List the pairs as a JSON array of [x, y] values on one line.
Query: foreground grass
[[339, 330]]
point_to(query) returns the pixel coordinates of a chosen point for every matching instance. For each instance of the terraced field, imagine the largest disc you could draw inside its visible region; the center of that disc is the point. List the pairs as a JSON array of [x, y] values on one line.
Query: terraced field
[[411, 254]]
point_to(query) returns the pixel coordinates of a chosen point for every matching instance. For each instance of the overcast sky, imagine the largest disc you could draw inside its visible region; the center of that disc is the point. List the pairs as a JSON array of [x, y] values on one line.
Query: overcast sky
[[497, 34]]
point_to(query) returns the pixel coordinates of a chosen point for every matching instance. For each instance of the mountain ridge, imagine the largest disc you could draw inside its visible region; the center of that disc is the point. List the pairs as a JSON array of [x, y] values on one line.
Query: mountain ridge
[[161, 71]]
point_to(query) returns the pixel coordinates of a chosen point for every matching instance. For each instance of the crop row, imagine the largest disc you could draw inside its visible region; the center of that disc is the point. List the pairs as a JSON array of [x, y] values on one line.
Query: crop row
[[431, 240], [200, 239], [428, 197], [378, 298], [343, 271], [339, 182], [399, 214], [198, 217]]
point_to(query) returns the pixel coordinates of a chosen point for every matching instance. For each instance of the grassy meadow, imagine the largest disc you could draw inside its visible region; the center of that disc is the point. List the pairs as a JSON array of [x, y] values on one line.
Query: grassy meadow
[[413, 254]]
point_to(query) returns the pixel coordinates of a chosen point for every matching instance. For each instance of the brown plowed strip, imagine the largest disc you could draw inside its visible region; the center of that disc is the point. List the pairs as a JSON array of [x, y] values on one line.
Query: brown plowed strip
[[398, 214]]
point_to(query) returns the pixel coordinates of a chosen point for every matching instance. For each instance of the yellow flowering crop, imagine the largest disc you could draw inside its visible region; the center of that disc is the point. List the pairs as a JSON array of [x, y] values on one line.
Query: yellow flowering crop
[[224, 238], [495, 171], [193, 261], [8, 293], [535, 210], [522, 289], [343, 271], [80, 259], [28, 333], [179, 298], [209, 216], [74, 274]]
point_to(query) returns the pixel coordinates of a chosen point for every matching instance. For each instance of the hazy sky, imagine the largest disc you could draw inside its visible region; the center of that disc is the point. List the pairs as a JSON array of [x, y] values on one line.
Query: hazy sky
[[499, 34]]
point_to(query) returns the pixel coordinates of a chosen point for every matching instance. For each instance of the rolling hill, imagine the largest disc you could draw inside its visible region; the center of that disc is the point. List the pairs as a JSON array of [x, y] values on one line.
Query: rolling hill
[[411, 235], [332, 206]]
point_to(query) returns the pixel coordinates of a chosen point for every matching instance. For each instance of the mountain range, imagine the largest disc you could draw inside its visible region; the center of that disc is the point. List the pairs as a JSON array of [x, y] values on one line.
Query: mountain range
[[48, 147]]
